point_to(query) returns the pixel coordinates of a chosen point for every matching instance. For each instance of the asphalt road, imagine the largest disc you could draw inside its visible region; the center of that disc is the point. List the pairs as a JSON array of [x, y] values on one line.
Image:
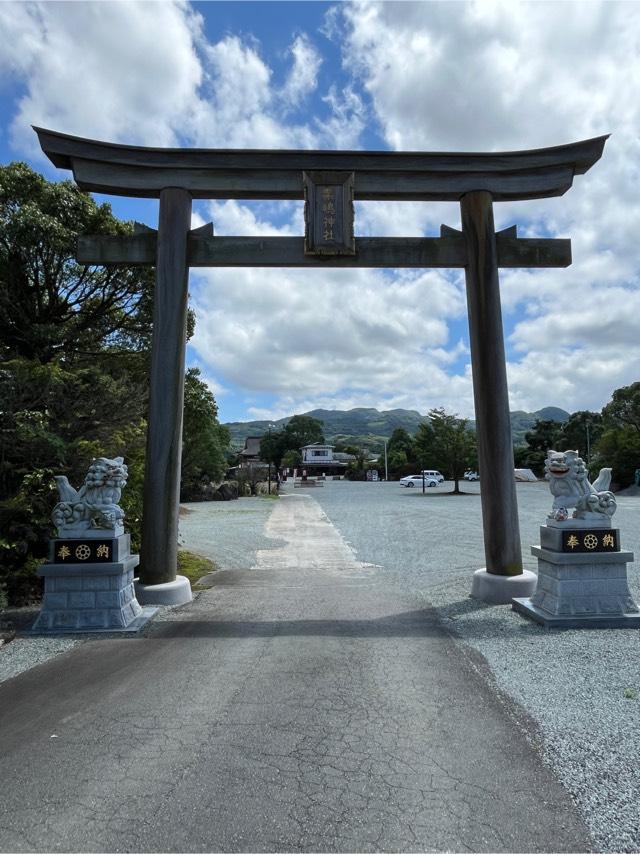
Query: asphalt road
[[305, 705]]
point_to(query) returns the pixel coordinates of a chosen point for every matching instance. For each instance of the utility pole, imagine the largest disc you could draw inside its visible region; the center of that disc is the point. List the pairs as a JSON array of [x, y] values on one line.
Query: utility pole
[[270, 452]]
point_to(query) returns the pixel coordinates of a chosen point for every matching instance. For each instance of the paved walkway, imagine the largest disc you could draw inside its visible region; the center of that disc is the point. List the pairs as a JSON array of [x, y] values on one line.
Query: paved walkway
[[300, 706]]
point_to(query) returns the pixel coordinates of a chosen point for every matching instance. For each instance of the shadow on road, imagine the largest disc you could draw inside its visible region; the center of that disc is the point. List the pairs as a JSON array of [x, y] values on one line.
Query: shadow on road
[[422, 623]]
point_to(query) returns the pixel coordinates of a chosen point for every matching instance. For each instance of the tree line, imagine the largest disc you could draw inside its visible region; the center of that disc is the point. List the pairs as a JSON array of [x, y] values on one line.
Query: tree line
[[610, 437]]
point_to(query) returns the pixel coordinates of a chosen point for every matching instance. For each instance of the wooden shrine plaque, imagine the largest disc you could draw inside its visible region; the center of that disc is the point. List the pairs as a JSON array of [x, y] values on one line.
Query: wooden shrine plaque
[[328, 213]]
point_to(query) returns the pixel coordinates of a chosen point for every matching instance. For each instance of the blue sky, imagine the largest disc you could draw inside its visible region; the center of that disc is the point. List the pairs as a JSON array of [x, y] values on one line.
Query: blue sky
[[402, 76]]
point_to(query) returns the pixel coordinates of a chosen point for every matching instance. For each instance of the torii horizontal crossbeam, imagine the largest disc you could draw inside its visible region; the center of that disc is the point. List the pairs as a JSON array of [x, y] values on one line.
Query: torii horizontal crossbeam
[[391, 252], [278, 174]]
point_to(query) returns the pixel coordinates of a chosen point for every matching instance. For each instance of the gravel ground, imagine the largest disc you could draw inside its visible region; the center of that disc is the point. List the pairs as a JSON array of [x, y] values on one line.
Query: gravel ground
[[23, 653], [228, 532], [582, 688]]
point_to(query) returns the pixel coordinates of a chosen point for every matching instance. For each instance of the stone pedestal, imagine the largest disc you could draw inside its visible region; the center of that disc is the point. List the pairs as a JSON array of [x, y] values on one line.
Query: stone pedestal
[[88, 587], [582, 579]]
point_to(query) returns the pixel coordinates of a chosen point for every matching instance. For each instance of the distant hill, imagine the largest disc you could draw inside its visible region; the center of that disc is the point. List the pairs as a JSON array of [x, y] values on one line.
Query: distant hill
[[369, 427]]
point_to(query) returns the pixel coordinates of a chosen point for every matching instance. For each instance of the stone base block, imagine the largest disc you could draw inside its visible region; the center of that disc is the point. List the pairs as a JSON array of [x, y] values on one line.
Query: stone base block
[[575, 621], [594, 520], [581, 590], [501, 589], [138, 623], [176, 592], [96, 597]]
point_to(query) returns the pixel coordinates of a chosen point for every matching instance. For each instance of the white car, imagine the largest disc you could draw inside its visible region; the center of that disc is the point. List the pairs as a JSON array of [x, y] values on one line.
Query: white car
[[432, 473], [471, 475], [416, 480]]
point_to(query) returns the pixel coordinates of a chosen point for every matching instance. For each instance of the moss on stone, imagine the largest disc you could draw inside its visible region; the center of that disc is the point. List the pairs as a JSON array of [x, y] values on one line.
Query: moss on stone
[[195, 567]]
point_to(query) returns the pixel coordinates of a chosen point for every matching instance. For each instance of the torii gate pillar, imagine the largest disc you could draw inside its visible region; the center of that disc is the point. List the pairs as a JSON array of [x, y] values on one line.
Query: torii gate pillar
[[503, 577], [159, 553]]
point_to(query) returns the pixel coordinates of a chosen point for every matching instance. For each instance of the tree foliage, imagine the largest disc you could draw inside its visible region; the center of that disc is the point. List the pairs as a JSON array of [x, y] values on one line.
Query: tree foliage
[[74, 352], [619, 449], [273, 447], [607, 439], [446, 443], [204, 439], [301, 430], [624, 408], [581, 433], [51, 306], [401, 453], [546, 434], [619, 443]]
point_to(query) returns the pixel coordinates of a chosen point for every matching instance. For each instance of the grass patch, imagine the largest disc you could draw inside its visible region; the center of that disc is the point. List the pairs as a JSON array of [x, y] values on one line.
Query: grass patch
[[194, 567]]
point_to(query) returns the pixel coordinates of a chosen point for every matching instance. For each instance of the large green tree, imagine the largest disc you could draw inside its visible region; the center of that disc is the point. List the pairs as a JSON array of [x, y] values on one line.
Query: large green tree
[[545, 435], [401, 452], [204, 439], [619, 444], [624, 408], [74, 351], [273, 447], [445, 442], [581, 432], [303, 430], [619, 449], [51, 306]]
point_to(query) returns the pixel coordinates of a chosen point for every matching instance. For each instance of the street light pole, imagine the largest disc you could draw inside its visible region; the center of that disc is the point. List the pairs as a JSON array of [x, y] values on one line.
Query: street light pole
[[386, 470]]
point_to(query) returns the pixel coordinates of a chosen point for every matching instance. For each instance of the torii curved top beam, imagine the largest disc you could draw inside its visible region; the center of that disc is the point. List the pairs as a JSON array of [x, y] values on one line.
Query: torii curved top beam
[[215, 173]]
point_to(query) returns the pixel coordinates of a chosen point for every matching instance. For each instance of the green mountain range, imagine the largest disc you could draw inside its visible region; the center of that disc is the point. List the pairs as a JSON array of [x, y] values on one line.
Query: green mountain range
[[369, 427]]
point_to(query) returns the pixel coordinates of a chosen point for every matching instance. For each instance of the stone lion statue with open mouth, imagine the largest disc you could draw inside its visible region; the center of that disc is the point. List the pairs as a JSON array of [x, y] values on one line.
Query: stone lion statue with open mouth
[[95, 504], [569, 484]]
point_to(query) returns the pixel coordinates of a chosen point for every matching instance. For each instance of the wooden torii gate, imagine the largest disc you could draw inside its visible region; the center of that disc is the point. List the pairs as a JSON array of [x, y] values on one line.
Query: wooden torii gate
[[329, 181]]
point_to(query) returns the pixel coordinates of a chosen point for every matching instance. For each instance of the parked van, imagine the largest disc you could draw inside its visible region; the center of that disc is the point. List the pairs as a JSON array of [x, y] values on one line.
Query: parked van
[[432, 474]]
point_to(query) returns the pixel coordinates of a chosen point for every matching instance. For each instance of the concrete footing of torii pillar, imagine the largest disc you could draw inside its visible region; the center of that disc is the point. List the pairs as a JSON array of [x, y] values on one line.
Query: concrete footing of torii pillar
[[501, 589], [176, 592]]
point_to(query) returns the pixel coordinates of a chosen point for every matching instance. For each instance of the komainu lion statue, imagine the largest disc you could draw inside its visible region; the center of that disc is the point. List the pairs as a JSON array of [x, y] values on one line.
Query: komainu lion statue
[[95, 504], [569, 484]]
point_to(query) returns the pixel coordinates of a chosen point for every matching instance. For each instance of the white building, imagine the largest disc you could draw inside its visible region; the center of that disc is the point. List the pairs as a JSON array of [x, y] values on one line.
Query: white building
[[317, 454]]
